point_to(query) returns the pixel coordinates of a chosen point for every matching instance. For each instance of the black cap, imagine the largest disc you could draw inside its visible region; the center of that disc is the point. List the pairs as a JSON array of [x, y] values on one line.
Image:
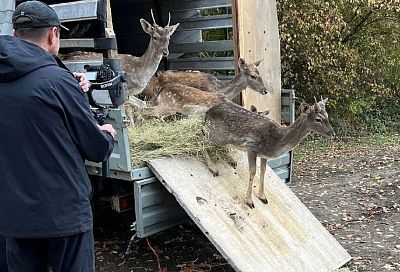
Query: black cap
[[35, 14]]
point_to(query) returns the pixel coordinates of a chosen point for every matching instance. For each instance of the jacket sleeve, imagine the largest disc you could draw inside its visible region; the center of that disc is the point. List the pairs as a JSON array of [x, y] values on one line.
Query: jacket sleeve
[[93, 144]]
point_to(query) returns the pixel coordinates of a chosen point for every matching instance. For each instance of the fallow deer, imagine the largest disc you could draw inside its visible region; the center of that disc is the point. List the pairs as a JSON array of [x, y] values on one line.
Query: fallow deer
[[141, 69], [230, 124], [248, 77], [177, 97]]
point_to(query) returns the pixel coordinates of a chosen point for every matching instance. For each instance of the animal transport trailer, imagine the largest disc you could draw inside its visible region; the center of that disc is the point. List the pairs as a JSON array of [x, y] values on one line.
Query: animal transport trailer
[[137, 190]]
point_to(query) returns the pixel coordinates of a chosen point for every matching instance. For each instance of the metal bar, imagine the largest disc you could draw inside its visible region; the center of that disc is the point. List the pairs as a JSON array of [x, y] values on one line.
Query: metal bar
[[6, 11], [224, 45], [78, 66], [200, 4], [207, 22], [280, 161], [77, 43], [80, 10], [223, 63]]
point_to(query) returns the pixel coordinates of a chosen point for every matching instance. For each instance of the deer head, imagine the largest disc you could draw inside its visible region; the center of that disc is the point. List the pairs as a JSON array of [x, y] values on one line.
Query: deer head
[[159, 36], [317, 117], [251, 76]]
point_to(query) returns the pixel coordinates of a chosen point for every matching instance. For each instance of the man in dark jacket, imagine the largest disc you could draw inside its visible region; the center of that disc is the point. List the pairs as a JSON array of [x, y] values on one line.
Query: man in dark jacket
[[48, 132]]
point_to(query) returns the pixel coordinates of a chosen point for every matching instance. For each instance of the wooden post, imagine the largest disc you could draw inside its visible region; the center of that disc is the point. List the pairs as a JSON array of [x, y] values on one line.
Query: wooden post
[[256, 36], [109, 31]]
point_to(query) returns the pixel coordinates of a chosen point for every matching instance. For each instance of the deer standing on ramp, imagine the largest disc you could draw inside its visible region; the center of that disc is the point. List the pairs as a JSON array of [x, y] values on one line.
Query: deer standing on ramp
[[182, 94], [248, 77], [140, 69], [261, 136]]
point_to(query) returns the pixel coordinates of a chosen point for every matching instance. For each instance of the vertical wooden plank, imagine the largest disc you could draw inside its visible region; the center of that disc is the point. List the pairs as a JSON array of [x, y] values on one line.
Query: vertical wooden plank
[[257, 35], [109, 31]]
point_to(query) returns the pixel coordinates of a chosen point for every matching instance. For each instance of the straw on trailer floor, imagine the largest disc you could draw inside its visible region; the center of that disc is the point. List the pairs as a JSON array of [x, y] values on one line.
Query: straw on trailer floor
[[170, 137]]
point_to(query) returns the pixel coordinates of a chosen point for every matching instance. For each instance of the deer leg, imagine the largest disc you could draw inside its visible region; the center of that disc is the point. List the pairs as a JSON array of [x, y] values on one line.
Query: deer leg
[[231, 161], [252, 159], [261, 192], [130, 113], [210, 164]]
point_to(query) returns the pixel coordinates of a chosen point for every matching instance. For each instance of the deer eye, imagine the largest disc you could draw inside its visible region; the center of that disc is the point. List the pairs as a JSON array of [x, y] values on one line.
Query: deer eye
[[155, 38], [318, 120], [253, 77]]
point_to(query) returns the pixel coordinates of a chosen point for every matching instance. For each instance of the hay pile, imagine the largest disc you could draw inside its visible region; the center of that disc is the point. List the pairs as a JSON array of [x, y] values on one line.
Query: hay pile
[[177, 137]]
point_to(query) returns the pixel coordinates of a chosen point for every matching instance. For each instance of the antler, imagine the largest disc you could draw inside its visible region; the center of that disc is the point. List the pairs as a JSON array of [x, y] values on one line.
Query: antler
[[317, 106], [322, 103], [152, 16], [169, 18]]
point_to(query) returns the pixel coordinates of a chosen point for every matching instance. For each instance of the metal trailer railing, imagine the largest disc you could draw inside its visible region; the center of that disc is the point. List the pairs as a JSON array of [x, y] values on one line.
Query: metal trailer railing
[[6, 10]]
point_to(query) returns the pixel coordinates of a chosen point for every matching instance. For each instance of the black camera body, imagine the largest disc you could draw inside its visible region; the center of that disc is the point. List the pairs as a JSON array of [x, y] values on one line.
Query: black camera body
[[107, 80]]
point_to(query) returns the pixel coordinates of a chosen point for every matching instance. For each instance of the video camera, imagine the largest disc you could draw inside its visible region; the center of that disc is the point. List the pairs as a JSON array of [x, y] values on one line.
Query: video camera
[[108, 89]]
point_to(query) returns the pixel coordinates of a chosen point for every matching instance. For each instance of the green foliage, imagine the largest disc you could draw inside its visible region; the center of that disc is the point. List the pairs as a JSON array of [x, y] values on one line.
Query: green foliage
[[347, 50]]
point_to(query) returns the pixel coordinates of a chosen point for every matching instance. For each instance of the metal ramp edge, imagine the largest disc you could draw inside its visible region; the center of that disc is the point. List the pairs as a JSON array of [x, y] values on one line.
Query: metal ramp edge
[[280, 236]]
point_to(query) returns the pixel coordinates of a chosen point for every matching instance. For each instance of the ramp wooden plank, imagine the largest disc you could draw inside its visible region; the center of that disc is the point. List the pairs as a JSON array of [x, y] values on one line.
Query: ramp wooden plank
[[280, 236]]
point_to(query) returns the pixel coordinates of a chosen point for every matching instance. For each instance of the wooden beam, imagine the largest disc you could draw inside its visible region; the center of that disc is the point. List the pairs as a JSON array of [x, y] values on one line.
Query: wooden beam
[[109, 31], [256, 37]]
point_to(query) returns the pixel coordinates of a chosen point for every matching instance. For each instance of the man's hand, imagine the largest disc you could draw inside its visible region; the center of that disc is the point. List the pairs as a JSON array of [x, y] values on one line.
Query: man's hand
[[109, 128], [83, 82]]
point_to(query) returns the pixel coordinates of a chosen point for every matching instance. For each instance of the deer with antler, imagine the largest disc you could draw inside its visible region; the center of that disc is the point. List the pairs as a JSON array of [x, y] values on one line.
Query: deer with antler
[[260, 136], [141, 69], [197, 92]]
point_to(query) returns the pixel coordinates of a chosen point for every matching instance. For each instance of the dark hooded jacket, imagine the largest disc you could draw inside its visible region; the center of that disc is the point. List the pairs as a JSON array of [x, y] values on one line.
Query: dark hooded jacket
[[47, 131]]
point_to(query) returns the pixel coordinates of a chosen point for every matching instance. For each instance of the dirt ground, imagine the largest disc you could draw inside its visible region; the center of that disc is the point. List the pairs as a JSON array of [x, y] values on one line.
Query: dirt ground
[[352, 187]]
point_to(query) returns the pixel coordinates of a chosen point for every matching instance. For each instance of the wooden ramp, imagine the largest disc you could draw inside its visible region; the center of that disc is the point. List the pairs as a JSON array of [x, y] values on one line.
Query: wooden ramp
[[280, 236]]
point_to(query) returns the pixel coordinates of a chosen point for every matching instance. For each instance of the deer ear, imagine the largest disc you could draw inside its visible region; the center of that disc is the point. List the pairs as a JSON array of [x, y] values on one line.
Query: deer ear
[[323, 102], [147, 27], [171, 29], [242, 64], [257, 63], [304, 107]]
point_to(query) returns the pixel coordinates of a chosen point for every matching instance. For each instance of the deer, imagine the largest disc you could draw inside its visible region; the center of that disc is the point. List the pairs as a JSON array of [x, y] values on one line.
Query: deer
[[248, 77], [141, 69], [176, 97], [231, 124], [173, 98]]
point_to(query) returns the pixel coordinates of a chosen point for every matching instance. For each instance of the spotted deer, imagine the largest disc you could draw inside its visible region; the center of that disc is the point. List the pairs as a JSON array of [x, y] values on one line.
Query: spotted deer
[[174, 96], [140, 69], [260, 136], [248, 77]]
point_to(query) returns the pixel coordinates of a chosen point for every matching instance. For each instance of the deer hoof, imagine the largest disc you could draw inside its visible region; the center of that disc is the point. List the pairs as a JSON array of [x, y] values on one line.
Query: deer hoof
[[233, 164], [251, 205], [264, 200]]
